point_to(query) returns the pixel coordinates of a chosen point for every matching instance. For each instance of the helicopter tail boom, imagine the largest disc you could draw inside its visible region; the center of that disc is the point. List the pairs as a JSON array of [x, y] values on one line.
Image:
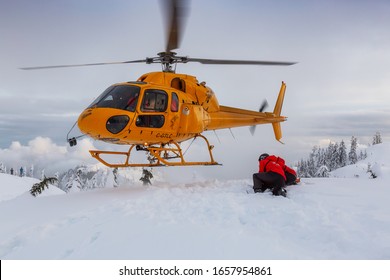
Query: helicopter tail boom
[[229, 117]]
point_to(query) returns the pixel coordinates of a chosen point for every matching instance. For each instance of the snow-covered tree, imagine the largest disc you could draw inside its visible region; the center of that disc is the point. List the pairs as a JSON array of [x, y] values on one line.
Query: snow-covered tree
[[323, 171], [116, 179], [57, 176], [371, 172], [342, 154], [73, 181], [43, 174], [31, 171], [362, 154], [146, 176], [77, 182], [352, 155], [2, 168], [377, 139], [332, 157]]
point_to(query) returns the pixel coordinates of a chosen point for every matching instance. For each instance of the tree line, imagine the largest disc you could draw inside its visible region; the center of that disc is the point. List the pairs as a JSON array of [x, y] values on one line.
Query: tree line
[[80, 178], [321, 161]]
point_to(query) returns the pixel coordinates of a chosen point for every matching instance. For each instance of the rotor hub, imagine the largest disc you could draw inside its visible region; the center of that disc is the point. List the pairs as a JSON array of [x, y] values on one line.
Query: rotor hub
[[168, 60]]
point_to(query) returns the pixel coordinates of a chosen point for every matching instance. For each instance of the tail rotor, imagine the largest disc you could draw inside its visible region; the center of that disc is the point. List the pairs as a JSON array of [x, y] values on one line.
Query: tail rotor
[[263, 106]]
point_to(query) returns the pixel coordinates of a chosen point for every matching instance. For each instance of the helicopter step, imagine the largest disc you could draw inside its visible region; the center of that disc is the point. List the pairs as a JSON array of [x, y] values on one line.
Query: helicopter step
[[159, 155]]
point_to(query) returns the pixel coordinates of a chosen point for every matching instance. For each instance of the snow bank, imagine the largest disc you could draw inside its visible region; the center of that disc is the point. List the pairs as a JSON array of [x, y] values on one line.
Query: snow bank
[[378, 161], [14, 186], [322, 218]]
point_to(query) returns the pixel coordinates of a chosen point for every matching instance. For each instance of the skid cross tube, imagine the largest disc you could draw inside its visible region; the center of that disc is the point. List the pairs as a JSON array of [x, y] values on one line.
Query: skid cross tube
[[160, 156]]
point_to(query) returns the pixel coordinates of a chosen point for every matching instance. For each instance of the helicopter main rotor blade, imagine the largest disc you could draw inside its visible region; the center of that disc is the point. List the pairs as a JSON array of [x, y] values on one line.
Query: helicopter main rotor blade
[[80, 65], [239, 62], [176, 12]]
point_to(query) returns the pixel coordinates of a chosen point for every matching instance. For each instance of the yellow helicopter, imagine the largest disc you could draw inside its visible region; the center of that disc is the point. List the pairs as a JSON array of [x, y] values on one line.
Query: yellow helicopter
[[160, 110]]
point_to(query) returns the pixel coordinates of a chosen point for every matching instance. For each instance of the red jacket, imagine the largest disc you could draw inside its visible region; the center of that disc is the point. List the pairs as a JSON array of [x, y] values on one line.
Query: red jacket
[[271, 164], [287, 169], [290, 170]]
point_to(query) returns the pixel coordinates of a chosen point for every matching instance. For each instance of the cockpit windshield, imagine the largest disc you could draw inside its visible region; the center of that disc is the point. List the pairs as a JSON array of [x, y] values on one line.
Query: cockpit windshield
[[124, 97]]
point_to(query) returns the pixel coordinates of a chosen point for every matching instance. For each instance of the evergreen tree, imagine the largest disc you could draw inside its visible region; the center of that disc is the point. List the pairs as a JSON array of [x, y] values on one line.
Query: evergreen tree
[[377, 139], [321, 158], [77, 182], [38, 188], [93, 182], [352, 155], [342, 154], [300, 169], [74, 182], [332, 156], [22, 172], [31, 172], [323, 171], [116, 179], [311, 167], [57, 176], [304, 169], [146, 176], [67, 180], [2, 168], [369, 171]]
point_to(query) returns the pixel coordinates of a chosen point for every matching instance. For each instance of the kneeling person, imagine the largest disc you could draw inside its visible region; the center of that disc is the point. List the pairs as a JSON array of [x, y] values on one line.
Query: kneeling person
[[270, 176]]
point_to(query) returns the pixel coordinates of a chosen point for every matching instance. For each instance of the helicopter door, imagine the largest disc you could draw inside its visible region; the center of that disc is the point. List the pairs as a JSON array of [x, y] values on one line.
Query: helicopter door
[[153, 108], [173, 117]]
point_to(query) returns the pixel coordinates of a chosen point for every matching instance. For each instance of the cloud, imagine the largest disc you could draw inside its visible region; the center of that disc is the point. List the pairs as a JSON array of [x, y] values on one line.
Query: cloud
[[43, 153], [351, 123]]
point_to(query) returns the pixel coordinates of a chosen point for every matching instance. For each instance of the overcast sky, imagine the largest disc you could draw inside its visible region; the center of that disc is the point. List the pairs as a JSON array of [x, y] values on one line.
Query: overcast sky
[[339, 88]]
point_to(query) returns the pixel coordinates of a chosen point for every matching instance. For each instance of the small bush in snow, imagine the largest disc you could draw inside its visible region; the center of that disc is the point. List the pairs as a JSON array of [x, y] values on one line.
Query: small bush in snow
[[38, 188]]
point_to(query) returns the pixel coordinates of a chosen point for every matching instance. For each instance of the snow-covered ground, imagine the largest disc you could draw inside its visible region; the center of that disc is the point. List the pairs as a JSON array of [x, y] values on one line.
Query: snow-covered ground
[[346, 216]]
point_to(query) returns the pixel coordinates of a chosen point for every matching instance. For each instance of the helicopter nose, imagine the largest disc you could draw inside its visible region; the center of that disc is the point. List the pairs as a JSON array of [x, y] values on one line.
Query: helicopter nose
[[103, 122]]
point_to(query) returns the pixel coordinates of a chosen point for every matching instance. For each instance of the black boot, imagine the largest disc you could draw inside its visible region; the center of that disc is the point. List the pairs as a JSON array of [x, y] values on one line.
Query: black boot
[[279, 191]]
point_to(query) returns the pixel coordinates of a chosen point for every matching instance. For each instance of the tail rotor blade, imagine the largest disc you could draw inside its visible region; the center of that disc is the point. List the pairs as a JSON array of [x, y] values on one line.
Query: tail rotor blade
[[264, 105], [252, 129]]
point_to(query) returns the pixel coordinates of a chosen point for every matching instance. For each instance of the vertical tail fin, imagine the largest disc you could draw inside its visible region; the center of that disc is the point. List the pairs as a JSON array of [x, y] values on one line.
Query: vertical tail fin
[[277, 111], [279, 101]]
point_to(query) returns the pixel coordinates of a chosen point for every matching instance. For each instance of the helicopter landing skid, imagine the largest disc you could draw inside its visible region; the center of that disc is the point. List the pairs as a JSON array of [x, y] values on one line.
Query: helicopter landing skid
[[158, 156]]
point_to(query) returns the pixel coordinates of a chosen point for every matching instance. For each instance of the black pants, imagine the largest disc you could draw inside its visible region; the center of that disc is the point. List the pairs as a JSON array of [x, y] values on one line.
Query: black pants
[[268, 180], [290, 179]]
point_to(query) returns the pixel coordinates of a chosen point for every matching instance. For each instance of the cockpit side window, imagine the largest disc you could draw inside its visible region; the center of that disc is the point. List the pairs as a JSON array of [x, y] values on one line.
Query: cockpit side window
[[174, 103], [118, 97], [154, 101]]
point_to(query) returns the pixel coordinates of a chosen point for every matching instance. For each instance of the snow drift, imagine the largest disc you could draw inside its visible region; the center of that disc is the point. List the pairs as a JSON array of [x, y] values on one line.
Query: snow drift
[[341, 217]]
